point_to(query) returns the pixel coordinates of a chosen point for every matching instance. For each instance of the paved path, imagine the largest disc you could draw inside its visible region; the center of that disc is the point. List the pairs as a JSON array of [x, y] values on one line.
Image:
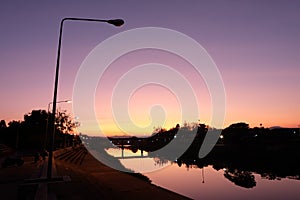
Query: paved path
[[91, 179], [12, 179]]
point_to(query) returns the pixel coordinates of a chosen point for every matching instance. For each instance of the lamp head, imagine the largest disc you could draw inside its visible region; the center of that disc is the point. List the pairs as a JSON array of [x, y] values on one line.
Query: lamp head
[[116, 22]]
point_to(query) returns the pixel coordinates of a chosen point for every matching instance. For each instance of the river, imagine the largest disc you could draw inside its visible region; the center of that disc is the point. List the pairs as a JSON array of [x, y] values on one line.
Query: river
[[211, 181]]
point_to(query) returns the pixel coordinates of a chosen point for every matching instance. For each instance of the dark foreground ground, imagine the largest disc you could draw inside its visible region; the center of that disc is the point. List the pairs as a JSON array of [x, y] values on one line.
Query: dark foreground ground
[[85, 178]]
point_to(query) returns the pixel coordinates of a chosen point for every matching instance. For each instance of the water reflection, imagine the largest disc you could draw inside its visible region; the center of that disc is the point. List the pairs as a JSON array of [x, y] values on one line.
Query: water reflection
[[239, 171], [138, 161], [239, 167], [262, 161], [239, 163], [241, 178]]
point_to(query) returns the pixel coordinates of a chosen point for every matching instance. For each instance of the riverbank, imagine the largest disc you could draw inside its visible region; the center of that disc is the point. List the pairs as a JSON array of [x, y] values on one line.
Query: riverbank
[[90, 179], [86, 177]]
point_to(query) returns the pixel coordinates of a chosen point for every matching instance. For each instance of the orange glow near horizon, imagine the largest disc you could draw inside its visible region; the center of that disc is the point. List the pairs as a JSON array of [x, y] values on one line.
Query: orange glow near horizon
[[151, 105], [154, 105]]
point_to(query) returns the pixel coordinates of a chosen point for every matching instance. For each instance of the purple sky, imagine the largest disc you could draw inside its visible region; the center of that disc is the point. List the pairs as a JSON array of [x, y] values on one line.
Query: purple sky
[[255, 45]]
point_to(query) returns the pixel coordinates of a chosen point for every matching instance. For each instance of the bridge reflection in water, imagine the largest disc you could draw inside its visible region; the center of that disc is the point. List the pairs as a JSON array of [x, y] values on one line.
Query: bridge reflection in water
[[122, 153]]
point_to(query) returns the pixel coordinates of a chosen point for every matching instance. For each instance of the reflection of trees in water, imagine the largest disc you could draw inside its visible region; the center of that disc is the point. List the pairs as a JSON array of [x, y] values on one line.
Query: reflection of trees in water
[[160, 161], [240, 170], [239, 166], [294, 177], [273, 154], [241, 178], [270, 176]]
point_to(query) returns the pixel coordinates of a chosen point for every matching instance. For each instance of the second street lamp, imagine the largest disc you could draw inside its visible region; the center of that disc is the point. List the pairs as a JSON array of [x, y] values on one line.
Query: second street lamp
[[46, 132], [65, 101], [115, 22]]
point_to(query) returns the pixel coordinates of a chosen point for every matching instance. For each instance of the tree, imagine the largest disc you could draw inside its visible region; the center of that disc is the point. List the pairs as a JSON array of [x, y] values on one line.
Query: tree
[[3, 128], [3, 124], [11, 137], [64, 123], [64, 129], [235, 133], [33, 132], [239, 125]]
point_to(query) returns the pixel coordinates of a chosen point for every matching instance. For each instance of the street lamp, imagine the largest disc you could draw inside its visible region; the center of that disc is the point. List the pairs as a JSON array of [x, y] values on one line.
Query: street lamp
[[65, 101], [115, 22]]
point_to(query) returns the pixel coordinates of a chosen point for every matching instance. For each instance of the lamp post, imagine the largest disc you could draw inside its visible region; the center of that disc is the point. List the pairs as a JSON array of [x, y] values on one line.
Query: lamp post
[[115, 22], [65, 101]]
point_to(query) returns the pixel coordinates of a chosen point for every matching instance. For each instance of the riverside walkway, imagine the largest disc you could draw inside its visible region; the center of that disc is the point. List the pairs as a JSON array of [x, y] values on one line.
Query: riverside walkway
[[88, 179], [91, 179]]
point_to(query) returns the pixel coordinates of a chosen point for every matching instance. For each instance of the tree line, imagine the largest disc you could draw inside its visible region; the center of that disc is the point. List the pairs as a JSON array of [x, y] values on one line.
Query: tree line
[[34, 131]]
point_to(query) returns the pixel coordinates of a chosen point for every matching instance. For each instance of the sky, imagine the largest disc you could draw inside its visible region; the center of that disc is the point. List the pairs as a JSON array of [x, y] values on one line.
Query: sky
[[254, 44]]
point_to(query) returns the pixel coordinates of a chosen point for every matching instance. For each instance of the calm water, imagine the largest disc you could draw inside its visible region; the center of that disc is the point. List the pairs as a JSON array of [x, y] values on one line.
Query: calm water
[[206, 182]]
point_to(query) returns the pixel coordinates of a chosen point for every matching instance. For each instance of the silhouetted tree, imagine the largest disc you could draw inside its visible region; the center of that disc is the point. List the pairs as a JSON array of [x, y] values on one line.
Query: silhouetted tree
[[3, 128], [64, 123], [235, 133], [11, 137], [3, 124], [34, 129], [31, 133], [64, 127]]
